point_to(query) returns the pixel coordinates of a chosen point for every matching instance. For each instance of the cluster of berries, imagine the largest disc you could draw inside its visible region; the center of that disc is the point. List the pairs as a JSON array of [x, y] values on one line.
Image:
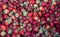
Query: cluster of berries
[[29, 18]]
